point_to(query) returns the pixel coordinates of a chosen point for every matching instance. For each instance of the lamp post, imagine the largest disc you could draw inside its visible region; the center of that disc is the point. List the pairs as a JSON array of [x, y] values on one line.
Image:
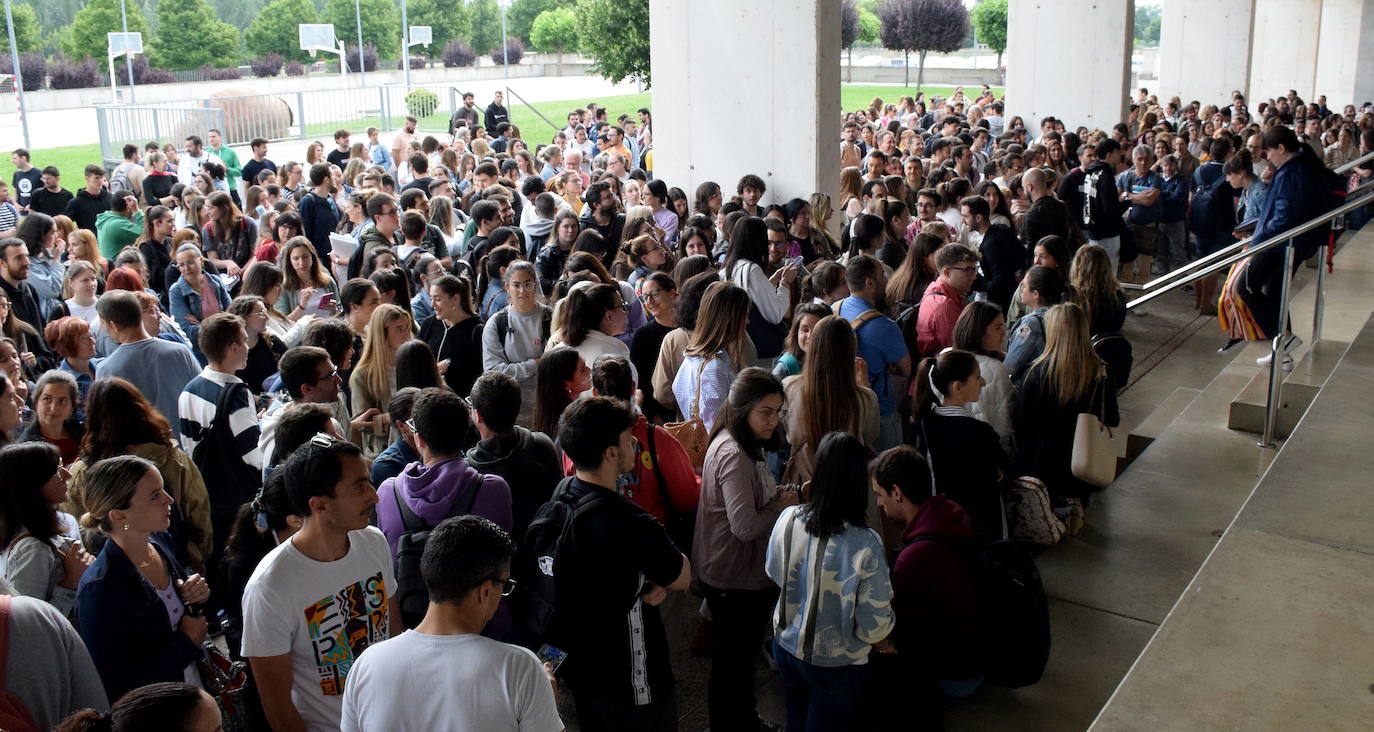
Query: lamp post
[[505, 47], [128, 58], [362, 65], [18, 76]]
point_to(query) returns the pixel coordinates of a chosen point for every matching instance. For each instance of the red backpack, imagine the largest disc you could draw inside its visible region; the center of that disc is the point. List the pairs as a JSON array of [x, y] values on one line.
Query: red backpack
[[14, 717]]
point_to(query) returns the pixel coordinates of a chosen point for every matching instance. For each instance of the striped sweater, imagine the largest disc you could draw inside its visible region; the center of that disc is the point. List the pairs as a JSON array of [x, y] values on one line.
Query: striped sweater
[[836, 597], [196, 407]]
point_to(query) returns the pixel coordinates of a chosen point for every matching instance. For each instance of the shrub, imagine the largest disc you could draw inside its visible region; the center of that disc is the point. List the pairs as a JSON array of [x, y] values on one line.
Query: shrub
[[269, 65], [421, 102], [210, 73], [67, 74], [369, 58], [294, 68], [458, 53], [418, 62], [33, 68], [515, 50], [158, 76]]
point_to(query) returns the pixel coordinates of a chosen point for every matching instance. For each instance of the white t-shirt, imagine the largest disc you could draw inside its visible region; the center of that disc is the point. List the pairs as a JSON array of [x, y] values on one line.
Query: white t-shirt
[[469, 682], [323, 613]]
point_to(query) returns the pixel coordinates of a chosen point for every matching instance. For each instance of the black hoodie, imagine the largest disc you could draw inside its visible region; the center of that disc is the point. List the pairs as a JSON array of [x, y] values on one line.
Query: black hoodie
[[529, 463], [84, 207]]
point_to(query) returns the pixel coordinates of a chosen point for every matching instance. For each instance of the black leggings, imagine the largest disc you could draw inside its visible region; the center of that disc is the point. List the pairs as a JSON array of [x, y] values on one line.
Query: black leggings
[[1261, 288]]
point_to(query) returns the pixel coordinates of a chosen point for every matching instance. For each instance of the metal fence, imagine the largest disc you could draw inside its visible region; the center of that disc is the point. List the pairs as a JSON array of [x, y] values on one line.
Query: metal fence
[[280, 116], [136, 124]]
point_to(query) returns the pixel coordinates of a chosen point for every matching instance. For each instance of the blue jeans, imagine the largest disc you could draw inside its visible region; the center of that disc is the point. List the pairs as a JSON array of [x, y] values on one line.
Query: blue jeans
[[889, 432], [819, 698]]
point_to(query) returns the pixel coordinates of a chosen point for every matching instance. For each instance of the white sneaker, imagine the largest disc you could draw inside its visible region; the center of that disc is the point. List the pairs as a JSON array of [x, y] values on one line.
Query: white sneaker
[[1266, 360], [1287, 345]]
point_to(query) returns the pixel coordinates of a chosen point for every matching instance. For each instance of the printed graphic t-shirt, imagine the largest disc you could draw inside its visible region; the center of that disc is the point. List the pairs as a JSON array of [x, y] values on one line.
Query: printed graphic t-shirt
[[323, 613]]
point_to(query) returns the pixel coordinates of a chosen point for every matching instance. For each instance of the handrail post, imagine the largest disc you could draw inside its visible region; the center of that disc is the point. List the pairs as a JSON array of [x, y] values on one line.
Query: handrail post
[[1319, 309], [1276, 354]]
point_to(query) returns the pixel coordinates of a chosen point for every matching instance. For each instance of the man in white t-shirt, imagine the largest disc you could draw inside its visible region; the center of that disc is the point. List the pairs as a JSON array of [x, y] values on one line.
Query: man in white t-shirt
[[323, 596], [469, 682]]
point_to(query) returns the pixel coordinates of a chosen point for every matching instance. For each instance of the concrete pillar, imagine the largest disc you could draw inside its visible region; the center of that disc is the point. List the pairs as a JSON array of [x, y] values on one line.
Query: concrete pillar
[[1069, 59], [1286, 36], [1345, 47], [747, 88], [1205, 49]]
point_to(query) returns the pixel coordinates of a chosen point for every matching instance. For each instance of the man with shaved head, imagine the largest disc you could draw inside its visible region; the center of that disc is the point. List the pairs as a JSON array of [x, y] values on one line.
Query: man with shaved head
[[1047, 214]]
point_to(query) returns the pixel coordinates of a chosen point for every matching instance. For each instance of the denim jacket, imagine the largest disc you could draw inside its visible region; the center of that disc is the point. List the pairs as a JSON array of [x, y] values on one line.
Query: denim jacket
[[124, 623], [185, 300], [1027, 342]]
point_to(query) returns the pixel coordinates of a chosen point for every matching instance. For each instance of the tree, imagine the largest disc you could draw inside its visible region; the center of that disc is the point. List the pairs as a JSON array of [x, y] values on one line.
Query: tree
[[26, 35], [486, 25], [923, 26], [990, 25], [869, 25], [615, 33], [190, 36], [381, 24], [520, 17], [849, 32], [448, 20], [275, 29], [1146, 30], [555, 30], [238, 13], [87, 39]]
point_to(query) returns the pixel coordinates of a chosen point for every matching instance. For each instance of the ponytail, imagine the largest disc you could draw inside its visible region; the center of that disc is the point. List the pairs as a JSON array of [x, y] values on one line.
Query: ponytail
[[936, 373]]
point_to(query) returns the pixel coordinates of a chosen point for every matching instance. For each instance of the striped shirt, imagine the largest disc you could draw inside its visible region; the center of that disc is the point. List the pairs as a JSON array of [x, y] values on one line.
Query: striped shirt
[[197, 411]]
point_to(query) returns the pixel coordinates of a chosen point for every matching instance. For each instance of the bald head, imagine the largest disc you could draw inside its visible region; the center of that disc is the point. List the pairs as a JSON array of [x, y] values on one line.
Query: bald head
[[1034, 181]]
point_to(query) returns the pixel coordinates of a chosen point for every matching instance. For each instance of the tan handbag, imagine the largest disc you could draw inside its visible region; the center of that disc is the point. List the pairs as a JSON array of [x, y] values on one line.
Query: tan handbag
[[692, 433], [1094, 455]]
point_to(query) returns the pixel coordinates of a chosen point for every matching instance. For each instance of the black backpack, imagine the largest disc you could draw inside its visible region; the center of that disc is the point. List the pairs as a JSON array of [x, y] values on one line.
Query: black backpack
[[410, 582], [1115, 351], [229, 481], [906, 323], [1211, 212], [544, 556], [502, 322], [1015, 615]]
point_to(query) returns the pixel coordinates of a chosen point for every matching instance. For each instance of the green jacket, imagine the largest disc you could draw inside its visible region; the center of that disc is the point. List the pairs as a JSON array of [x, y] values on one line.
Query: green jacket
[[232, 169], [114, 231]]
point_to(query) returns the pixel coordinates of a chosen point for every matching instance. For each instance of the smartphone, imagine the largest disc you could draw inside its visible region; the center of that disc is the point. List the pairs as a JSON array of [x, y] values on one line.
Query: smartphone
[[552, 656]]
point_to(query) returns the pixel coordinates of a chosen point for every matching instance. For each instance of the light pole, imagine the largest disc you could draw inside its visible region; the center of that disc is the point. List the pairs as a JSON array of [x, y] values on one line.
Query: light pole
[[362, 65], [128, 59], [505, 47], [405, 45], [18, 76]]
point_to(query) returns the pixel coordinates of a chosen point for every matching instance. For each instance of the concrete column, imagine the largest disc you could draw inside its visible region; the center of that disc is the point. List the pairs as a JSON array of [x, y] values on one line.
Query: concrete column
[[747, 88], [1346, 46], [1069, 59], [1205, 49], [1286, 36]]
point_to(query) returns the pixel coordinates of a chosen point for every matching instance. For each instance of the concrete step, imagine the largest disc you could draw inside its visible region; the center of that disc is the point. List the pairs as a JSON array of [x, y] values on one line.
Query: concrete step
[[1154, 425], [1275, 631], [1312, 366]]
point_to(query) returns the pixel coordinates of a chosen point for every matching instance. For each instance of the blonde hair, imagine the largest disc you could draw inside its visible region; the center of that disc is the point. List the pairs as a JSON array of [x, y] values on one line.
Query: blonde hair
[[376, 364], [109, 485], [1092, 279], [1072, 367], [74, 268]]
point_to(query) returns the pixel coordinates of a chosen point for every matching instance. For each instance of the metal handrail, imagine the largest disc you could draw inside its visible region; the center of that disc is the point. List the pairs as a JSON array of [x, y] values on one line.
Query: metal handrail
[[1227, 250], [1227, 261], [1353, 163]]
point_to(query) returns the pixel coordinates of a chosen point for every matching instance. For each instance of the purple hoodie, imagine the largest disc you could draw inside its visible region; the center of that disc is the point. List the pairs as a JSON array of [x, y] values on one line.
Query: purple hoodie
[[431, 493]]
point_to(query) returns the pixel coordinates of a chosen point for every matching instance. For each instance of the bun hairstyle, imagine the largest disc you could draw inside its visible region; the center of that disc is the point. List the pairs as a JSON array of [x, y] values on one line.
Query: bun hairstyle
[[109, 485], [937, 373], [164, 705]]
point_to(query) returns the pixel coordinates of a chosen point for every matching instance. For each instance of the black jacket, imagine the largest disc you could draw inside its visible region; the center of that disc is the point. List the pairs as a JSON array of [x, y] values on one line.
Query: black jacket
[[83, 208], [1004, 260], [1046, 216], [25, 305], [530, 465], [495, 115]]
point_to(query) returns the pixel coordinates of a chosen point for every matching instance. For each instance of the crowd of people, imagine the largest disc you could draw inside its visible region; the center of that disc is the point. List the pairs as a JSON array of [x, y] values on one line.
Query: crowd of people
[[425, 432]]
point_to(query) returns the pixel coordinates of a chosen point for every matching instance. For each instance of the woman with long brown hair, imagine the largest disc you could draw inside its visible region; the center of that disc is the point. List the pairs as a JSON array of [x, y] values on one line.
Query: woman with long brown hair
[[715, 352], [374, 377], [827, 396], [1067, 379], [229, 236], [303, 278], [1095, 289], [120, 421], [155, 244]]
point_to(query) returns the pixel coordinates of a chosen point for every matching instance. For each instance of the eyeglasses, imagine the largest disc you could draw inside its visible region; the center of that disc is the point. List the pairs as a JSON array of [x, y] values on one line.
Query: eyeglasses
[[624, 306], [322, 440], [392, 212], [964, 269], [521, 286], [507, 585], [651, 295], [327, 377]]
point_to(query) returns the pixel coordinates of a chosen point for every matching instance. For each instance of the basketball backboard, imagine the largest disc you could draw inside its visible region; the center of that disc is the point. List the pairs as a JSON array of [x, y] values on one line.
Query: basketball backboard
[[421, 35], [121, 43], [317, 37]]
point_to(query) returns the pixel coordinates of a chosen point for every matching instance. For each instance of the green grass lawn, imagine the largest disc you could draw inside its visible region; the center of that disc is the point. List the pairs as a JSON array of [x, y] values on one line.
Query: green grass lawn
[[71, 160]]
